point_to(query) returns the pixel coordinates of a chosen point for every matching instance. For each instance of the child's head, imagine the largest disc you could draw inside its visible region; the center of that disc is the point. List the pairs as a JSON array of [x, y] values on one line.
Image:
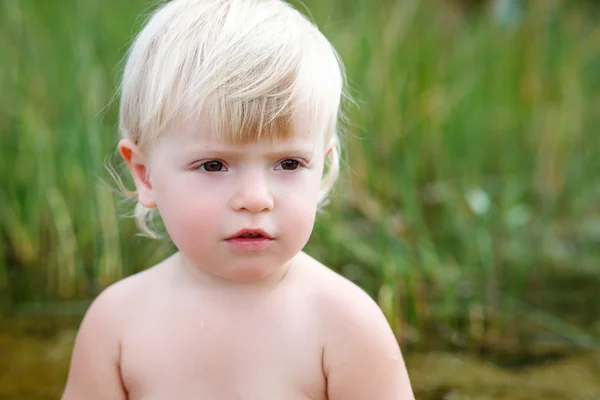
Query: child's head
[[229, 109]]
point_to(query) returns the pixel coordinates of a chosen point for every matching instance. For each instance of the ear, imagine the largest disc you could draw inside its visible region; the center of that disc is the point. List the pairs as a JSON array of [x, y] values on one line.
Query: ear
[[330, 146], [138, 165]]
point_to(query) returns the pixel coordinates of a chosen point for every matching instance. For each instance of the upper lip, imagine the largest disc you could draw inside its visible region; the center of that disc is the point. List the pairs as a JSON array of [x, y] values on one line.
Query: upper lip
[[250, 230]]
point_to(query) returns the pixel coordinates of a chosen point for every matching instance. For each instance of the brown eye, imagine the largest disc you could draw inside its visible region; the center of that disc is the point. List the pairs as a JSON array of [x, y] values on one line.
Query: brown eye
[[212, 166], [289, 165]]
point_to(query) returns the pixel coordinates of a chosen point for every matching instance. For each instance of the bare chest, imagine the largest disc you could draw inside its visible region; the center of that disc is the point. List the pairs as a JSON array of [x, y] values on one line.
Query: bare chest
[[243, 356]]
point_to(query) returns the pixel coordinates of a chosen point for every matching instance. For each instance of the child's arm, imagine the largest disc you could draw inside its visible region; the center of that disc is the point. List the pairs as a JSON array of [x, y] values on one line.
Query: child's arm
[[94, 371], [362, 359]]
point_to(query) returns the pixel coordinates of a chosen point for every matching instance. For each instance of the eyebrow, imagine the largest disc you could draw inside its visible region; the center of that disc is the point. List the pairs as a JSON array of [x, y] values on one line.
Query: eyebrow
[[305, 151]]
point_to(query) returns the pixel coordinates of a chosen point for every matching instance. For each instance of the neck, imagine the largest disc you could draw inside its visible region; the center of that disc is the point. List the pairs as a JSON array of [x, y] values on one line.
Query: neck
[[208, 282]]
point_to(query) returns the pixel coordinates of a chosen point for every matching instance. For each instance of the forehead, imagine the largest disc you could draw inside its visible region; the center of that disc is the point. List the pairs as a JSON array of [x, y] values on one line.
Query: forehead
[[201, 136], [284, 130]]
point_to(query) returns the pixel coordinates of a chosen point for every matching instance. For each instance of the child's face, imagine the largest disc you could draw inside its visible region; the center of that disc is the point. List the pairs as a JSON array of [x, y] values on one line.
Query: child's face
[[207, 189]]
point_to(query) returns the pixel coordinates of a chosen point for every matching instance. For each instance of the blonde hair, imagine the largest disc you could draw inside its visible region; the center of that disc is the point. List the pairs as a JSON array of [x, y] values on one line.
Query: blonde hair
[[247, 65]]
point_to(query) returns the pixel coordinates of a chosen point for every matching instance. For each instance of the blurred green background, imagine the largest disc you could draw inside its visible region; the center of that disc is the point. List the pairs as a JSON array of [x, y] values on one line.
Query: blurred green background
[[469, 204]]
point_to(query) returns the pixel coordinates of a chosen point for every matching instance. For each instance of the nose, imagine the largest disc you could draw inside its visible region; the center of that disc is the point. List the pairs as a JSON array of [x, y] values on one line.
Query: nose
[[252, 194]]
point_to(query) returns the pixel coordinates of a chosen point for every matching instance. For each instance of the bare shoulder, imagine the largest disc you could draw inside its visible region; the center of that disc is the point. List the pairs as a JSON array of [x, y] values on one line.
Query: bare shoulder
[[339, 299], [113, 308], [96, 353], [114, 304], [361, 356], [133, 287]]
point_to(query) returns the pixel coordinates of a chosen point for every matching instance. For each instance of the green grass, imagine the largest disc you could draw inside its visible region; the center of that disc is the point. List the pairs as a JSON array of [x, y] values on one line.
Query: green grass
[[472, 165]]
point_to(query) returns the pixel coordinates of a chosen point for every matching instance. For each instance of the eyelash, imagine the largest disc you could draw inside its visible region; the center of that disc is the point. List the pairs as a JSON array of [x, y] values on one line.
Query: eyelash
[[301, 164], [203, 166]]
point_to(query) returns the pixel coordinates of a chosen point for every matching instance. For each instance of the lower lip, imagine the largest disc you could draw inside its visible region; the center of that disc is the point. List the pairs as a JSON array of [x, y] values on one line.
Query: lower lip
[[250, 244]]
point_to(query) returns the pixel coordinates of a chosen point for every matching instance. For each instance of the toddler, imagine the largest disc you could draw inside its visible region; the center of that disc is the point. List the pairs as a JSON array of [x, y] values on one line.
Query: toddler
[[229, 115]]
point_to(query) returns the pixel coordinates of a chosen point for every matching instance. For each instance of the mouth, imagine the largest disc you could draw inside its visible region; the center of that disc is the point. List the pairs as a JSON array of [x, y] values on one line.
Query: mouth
[[250, 234]]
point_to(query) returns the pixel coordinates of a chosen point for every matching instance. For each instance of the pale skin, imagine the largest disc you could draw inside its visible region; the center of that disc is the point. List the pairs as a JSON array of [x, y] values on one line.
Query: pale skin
[[252, 325]]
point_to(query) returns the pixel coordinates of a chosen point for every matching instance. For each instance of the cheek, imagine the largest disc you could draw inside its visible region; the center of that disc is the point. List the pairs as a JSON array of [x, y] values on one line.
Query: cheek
[[298, 205], [297, 223], [300, 215], [187, 209]]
